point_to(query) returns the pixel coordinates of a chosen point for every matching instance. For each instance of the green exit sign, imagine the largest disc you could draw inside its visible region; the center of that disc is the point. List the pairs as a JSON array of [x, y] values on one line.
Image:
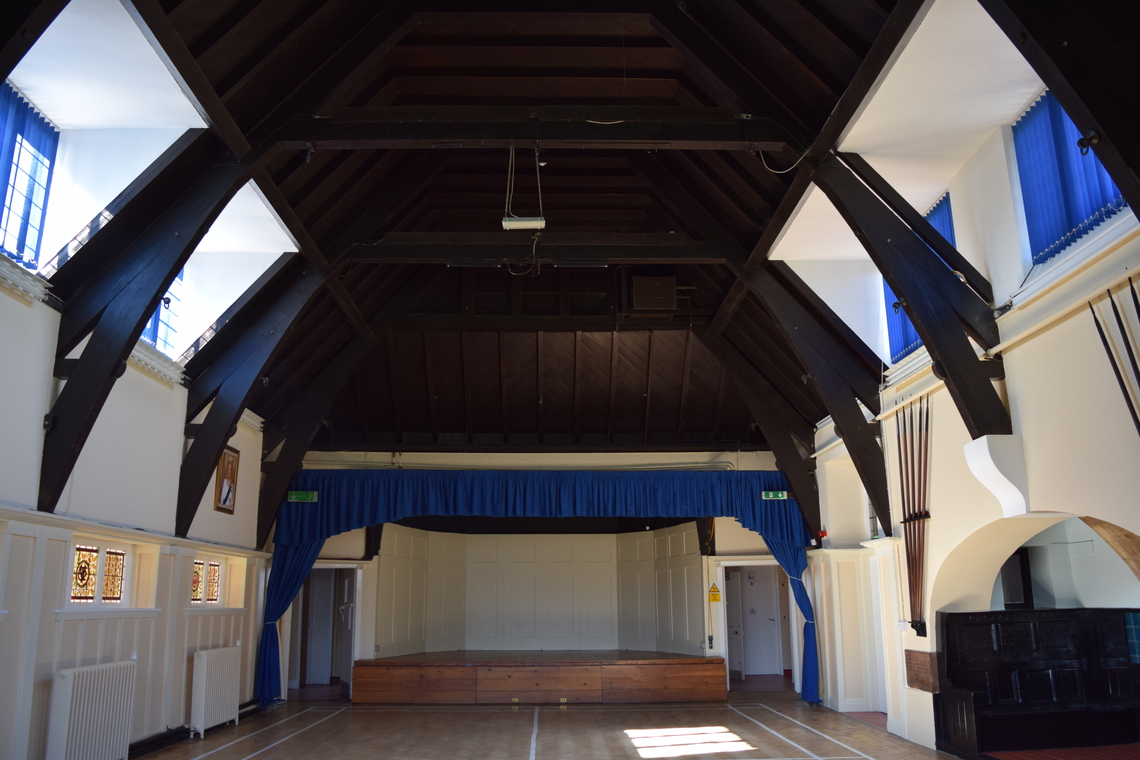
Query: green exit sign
[[765, 495], [311, 496]]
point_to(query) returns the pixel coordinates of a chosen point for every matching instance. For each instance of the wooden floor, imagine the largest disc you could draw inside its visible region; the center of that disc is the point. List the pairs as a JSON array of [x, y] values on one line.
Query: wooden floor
[[529, 678], [762, 726]]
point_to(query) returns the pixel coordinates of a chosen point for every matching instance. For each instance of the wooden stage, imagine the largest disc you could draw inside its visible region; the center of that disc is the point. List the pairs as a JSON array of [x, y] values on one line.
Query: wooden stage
[[535, 678]]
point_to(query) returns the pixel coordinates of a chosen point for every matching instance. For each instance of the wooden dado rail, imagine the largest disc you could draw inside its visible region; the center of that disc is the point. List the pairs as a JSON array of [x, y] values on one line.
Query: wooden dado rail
[[532, 683]]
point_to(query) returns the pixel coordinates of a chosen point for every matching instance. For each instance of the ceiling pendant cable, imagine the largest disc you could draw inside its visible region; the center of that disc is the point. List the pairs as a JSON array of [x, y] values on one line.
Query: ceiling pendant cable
[[510, 220]]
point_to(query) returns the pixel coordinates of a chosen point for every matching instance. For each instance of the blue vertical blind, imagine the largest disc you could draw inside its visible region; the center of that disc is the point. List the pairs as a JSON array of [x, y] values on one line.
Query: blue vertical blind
[[160, 328], [28, 144], [1065, 194], [903, 337]]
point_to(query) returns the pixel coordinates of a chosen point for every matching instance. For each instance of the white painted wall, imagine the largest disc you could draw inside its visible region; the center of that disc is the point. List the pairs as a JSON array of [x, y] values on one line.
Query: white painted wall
[[637, 594], [92, 166], [1072, 566], [854, 290], [28, 330], [127, 473], [349, 545], [733, 538], [41, 631], [542, 592], [446, 592], [240, 528]]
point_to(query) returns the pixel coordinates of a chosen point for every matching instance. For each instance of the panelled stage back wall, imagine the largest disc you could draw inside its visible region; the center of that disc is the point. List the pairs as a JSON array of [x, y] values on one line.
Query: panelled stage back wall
[[351, 499]]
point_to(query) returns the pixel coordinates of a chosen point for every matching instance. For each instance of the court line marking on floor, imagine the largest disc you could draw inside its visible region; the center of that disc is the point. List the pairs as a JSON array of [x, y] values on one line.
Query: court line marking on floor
[[534, 736], [784, 738], [255, 733], [809, 728], [290, 736]]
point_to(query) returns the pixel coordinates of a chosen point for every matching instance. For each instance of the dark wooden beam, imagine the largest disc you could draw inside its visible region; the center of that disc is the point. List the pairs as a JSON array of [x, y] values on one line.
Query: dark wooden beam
[[522, 127], [685, 371], [230, 387], [503, 405], [308, 409], [613, 387], [547, 238], [271, 108], [921, 227], [556, 255], [465, 364], [168, 43], [648, 386], [394, 386], [795, 462], [540, 377], [429, 386], [21, 24], [944, 310], [804, 328], [309, 248], [118, 304], [577, 385], [546, 323], [737, 85], [1085, 52], [838, 393], [348, 306], [728, 306]]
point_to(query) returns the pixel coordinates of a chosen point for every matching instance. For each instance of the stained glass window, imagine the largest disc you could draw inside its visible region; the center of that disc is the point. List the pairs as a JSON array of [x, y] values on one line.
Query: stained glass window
[[197, 582], [113, 563], [213, 581], [83, 574]]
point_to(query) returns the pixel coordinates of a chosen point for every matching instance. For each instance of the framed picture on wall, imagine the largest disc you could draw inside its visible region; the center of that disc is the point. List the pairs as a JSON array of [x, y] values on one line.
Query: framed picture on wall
[[225, 484]]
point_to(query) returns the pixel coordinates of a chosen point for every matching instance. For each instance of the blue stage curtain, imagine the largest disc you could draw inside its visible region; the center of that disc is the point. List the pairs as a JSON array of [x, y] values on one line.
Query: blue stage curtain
[[291, 566], [351, 499]]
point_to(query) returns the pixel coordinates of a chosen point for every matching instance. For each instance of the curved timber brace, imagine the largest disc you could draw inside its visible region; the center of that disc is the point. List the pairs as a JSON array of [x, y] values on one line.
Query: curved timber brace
[[945, 310], [229, 382], [294, 428], [116, 301], [840, 381], [793, 455]]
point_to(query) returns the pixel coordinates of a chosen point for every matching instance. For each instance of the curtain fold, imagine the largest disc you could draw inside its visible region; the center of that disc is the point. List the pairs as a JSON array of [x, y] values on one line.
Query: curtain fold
[[351, 499], [28, 144]]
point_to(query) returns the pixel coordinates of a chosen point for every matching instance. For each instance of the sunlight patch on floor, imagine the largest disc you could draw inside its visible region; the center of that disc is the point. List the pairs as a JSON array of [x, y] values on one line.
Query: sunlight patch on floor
[[679, 742]]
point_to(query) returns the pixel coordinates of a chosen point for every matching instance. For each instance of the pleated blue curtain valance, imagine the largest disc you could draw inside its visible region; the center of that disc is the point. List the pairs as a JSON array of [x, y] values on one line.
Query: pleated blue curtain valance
[[351, 499], [1065, 194]]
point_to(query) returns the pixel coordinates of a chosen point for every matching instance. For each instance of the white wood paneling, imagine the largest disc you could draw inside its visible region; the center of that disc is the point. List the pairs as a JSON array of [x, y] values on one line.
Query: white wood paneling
[[541, 592], [637, 602], [681, 605], [401, 605]]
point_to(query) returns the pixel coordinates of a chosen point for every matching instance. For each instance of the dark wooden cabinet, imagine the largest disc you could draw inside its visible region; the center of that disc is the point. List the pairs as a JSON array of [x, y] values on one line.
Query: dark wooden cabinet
[[1034, 679]]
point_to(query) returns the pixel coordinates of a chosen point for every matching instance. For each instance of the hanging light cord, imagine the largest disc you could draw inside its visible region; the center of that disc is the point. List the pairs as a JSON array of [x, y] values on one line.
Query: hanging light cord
[[537, 178], [510, 184]]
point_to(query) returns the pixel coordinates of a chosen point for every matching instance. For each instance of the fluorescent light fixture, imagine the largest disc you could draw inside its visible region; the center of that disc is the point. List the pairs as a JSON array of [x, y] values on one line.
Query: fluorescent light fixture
[[524, 223]]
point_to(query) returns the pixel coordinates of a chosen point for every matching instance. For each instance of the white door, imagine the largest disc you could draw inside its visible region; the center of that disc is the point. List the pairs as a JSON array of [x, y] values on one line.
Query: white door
[[732, 603], [763, 652]]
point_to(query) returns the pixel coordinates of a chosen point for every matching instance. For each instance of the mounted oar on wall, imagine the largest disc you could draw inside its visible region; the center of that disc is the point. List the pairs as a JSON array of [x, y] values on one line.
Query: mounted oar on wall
[[1133, 381], [912, 434]]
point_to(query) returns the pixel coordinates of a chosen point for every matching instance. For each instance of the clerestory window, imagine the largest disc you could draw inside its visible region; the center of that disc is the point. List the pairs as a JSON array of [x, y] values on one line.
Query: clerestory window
[[28, 143]]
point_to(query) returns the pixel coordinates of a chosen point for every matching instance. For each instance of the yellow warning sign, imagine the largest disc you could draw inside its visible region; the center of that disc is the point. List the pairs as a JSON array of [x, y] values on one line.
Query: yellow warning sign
[[714, 593]]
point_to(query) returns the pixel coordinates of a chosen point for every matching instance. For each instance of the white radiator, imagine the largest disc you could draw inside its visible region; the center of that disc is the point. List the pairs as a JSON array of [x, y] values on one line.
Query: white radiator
[[90, 716], [214, 693]]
